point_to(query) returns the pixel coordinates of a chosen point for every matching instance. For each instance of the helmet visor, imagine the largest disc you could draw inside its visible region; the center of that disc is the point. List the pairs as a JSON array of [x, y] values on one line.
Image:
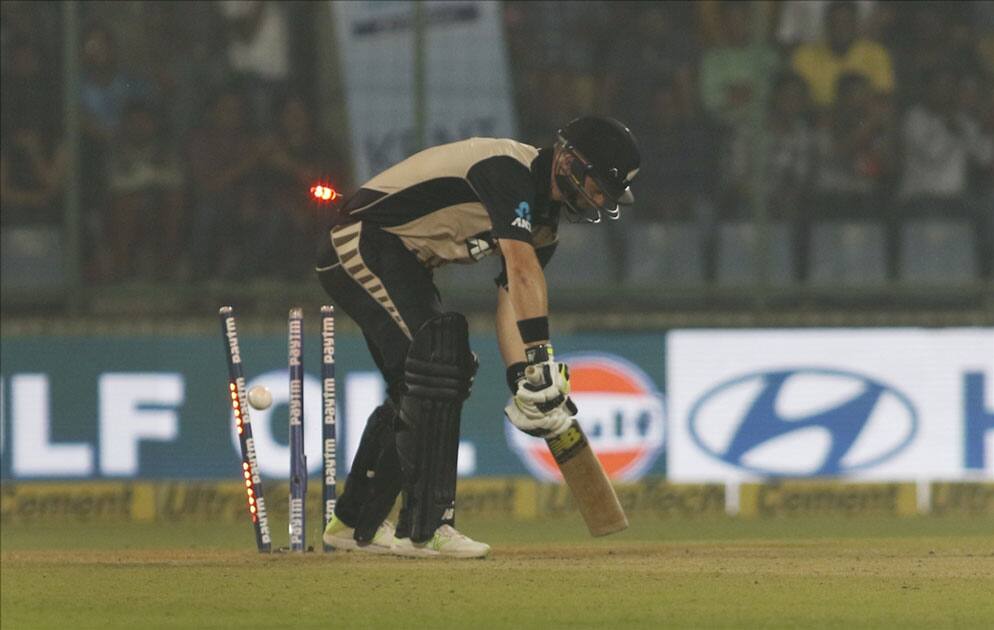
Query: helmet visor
[[589, 197]]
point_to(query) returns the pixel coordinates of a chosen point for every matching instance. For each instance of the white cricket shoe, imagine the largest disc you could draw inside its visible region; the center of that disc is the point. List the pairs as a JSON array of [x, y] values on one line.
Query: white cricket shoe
[[340, 536], [446, 543]]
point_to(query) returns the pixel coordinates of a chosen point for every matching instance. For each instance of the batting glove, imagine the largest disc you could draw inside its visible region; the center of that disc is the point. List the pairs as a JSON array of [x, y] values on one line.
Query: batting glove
[[540, 385], [546, 425]]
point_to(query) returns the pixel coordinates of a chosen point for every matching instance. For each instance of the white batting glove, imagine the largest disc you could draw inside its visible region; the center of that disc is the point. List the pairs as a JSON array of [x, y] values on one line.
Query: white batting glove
[[541, 405], [545, 386], [546, 425]]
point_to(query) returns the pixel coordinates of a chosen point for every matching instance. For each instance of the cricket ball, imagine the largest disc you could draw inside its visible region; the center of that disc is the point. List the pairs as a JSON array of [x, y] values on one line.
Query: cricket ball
[[260, 397]]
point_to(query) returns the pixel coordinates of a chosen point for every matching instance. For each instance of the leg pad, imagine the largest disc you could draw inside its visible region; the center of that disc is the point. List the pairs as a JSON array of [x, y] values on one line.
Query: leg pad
[[438, 374]]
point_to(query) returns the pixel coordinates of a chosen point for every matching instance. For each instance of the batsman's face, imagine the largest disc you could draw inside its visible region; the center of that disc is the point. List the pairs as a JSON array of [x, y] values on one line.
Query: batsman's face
[[584, 196], [593, 198]]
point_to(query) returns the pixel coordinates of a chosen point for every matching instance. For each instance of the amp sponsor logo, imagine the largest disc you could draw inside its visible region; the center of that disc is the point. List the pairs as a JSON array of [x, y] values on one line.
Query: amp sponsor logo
[[621, 411], [523, 219], [842, 422]]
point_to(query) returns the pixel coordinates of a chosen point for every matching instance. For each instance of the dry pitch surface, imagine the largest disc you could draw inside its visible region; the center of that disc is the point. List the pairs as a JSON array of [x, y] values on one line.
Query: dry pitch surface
[[916, 573]]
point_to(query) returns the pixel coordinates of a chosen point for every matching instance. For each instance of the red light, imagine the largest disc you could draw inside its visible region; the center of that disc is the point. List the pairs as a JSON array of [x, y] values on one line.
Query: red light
[[245, 465], [252, 509], [323, 193]]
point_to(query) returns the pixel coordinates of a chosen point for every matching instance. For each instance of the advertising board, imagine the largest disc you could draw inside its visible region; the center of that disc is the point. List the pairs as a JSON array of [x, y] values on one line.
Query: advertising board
[[857, 404], [104, 407], [467, 94]]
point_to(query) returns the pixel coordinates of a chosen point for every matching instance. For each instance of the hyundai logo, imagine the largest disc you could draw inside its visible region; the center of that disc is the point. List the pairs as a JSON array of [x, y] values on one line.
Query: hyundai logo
[[803, 422]]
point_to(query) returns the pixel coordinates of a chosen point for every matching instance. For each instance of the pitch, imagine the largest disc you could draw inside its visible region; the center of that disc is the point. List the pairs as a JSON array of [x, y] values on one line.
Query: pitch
[[858, 572]]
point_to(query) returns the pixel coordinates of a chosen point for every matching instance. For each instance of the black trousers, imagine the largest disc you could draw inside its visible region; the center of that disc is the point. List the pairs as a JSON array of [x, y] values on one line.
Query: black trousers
[[380, 284]]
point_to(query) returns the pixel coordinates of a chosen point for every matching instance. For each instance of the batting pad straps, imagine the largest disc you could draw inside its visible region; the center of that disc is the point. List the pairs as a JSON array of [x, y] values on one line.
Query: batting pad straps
[[426, 379], [534, 329]]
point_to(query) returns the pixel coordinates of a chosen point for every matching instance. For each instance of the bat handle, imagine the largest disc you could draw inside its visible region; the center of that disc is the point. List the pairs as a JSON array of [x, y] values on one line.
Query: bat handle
[[534, 374]]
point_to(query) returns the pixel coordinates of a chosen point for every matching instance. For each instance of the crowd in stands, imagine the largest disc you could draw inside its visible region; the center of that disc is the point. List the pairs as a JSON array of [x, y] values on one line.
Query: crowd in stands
[[199, 137], [870, 110], [200, 134]]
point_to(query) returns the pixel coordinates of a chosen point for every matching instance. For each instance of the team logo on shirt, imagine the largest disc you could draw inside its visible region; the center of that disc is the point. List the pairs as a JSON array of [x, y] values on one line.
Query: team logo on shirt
[[524, 218], [481, 245]]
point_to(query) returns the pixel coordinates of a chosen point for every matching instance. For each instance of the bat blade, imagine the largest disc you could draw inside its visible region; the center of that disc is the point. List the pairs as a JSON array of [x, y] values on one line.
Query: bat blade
[[592, 491]]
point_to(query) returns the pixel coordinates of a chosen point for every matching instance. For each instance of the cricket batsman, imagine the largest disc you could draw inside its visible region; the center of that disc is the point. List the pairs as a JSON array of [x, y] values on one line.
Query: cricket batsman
[[457, 203]]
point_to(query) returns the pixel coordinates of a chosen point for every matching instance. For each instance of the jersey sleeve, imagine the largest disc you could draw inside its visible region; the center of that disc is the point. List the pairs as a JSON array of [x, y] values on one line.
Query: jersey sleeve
[[544, 253], [506, 189]]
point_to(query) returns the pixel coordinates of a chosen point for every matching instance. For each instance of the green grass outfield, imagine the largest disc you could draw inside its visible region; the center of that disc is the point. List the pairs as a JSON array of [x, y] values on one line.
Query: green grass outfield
[[928, 572]]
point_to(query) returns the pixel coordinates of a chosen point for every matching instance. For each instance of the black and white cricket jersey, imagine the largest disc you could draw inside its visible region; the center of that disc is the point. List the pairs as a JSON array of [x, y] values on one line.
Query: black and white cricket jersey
[[449, 203]]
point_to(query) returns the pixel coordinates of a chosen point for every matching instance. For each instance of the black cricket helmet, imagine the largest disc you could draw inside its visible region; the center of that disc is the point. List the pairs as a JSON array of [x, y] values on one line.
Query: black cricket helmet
[[597, 159]]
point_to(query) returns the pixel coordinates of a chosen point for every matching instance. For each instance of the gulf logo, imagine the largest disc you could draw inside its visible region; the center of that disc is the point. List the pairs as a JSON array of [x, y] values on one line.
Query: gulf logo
[[621, 411]]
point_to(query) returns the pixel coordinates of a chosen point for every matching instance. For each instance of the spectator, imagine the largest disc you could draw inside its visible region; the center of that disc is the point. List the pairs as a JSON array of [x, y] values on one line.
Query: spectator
[[710, 27], [964, 39], [223, 157], [790, 149], [542, 39], [296, 156], [555, 90], [790, 163], [32, 173], [259, 53], [185, 42], [976, 101], [735, 75], [681, 165], [803, 21], [105, 89], [791, 145], [843, 51], [930, 35], [683, 158], [661, 48], [37, 22], [146, 198], [29, 85], [33, 160], [854, 149], [940, 140], [983, 21]]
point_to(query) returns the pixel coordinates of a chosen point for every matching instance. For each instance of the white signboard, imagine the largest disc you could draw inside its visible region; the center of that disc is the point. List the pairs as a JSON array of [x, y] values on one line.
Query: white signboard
[[467, 84], [881, 404]]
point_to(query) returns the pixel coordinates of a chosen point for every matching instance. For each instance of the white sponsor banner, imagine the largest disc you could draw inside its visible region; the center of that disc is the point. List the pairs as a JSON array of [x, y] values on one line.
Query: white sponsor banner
[[467, 84], [881, 404]]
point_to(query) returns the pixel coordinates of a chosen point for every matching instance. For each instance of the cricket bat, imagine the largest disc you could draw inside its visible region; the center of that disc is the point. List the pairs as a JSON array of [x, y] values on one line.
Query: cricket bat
[[592, 491]]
